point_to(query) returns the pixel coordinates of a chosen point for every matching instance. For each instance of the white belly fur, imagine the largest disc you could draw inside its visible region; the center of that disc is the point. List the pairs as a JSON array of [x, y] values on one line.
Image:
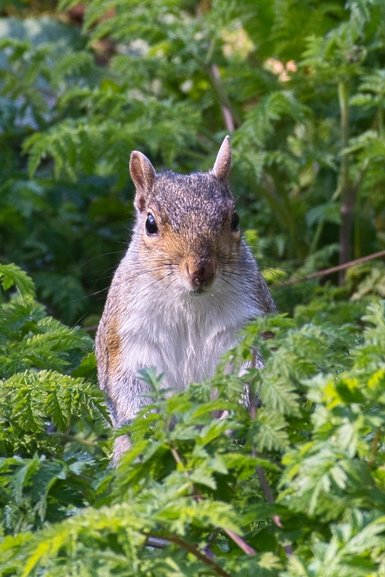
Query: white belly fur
[[187, 333]]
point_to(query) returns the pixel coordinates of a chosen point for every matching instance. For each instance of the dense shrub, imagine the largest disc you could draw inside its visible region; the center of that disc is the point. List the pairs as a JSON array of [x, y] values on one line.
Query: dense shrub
[[293, 487]]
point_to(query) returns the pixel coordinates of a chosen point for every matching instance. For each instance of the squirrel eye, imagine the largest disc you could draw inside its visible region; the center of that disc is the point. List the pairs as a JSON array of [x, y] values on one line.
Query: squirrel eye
[[235, 221], [151, 226]]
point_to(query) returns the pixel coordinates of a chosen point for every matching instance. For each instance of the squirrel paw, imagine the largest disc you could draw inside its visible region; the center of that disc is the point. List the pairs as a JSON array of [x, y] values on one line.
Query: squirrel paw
[[121, 445]]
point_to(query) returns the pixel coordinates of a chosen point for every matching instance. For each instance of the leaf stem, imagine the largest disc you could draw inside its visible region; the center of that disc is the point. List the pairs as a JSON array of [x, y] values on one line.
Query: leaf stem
[[380, 117], [280, 205], [375, 444], [345, 188], [228, 113], [194, 551], [238, 540], [246, 548], [266, 489]]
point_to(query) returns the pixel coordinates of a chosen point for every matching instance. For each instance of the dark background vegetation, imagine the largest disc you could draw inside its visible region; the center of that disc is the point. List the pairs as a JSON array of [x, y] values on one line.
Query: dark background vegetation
[[300, 86], [295, 488]]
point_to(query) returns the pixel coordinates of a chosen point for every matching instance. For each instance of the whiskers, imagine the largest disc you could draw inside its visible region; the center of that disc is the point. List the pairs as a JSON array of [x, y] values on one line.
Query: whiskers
[[155, 280]]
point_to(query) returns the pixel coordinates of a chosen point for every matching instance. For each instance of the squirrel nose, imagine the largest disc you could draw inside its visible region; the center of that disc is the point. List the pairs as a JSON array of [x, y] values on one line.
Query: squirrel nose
[[202, 274]]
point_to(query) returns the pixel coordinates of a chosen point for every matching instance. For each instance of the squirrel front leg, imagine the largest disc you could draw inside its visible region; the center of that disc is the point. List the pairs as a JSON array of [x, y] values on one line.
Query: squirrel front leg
[[127, 395], [121, 445]]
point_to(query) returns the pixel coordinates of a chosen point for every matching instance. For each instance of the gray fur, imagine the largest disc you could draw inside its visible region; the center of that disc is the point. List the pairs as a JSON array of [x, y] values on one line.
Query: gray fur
[[155, 316]]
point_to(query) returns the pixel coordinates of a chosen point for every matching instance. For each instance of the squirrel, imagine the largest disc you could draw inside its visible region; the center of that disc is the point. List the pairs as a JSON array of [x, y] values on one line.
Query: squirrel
[[186, 286]]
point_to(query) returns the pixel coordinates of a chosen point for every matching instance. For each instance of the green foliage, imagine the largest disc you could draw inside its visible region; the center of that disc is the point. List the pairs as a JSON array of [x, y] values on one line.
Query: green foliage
[[50, 409], [57, 229], [12, 275], [291, 485]]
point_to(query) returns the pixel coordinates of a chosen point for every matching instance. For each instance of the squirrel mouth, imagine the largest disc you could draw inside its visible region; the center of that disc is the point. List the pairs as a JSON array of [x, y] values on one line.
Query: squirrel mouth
[[202, 289], [198, 291]]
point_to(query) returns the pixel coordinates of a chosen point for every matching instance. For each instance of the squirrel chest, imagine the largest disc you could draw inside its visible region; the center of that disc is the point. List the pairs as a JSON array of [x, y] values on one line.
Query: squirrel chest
[[182, 335]]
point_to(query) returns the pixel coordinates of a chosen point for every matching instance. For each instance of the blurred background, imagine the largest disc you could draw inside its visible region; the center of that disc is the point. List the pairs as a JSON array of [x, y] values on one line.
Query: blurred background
[[300, 86]]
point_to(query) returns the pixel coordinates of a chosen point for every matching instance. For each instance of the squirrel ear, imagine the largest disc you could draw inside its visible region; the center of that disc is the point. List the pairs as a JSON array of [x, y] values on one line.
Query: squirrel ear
[[143, 175], [222, 163]]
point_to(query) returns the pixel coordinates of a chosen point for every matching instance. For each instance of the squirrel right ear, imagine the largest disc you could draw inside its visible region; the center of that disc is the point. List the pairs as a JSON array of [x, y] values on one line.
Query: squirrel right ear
[[143, 175], [222, 163]]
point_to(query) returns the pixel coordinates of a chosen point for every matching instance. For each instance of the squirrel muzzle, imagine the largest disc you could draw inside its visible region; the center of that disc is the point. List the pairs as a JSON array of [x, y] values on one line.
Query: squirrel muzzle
[[200, 273]]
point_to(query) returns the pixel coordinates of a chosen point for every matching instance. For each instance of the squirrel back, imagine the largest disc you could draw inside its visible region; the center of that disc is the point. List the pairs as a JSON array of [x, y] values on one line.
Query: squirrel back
[[186, 286]]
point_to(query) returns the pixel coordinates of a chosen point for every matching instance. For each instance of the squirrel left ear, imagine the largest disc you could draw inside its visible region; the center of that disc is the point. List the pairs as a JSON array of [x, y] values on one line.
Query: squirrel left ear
[[222, 163]]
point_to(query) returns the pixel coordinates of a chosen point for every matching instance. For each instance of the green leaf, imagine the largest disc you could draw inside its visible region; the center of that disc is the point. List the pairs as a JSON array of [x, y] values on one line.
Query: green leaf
[[12, 275]]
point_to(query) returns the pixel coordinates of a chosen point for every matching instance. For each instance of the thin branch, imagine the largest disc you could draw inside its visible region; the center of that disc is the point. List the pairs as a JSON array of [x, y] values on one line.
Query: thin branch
[[374, 447], [157, 542], [333, 269], [280, 205], [266, 489], [346, 189], [246, 548], [191, 549], [176, 456], [227, 113], [238, 540], [268, 494], [270, 499]]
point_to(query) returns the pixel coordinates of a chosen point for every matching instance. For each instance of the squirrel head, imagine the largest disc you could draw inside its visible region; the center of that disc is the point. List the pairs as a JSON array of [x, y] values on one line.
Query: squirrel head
[[186, 225]]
